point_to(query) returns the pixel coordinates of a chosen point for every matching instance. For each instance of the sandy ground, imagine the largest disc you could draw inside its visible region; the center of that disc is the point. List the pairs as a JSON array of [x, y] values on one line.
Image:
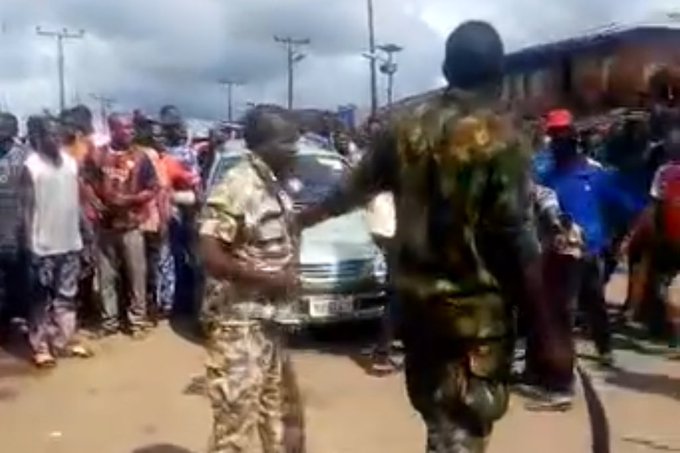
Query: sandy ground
[[137, 397]]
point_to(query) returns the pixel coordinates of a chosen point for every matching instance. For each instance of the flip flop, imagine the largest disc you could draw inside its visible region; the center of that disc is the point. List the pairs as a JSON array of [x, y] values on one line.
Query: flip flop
[[78, 351], [44, 360]]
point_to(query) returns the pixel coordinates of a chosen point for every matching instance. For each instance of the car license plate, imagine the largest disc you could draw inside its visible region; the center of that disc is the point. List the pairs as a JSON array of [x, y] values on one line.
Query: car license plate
[[330, 307]]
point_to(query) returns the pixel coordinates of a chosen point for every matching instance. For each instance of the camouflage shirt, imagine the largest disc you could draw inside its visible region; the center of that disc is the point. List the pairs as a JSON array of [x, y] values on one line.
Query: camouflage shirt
[[250, 213], [459, 170]]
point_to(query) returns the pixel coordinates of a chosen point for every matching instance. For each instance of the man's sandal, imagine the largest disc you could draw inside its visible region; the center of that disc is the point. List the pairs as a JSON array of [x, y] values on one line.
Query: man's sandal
[[77, 351], [44, 360]]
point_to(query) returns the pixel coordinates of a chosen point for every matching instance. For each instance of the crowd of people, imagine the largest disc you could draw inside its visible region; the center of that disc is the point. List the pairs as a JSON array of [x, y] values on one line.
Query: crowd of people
[[98, 232], [491, 239]]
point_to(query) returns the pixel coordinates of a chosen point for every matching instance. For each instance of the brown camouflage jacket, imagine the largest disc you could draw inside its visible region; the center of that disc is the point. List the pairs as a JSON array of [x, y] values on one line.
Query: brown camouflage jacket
[[251, 215]]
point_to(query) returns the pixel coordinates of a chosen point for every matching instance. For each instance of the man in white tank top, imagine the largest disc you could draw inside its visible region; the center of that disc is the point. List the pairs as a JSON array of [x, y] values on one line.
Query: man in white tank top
[[51, 220]]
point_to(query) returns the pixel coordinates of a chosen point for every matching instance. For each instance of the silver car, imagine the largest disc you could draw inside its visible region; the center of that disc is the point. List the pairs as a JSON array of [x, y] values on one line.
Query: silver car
[[342, 271]]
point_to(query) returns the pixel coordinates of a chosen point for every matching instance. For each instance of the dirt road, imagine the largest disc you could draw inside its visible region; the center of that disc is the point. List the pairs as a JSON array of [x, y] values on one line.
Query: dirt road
[[138, 397]]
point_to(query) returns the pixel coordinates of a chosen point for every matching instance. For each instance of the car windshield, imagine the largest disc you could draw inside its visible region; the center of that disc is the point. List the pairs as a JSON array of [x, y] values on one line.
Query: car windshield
[[313, 175]]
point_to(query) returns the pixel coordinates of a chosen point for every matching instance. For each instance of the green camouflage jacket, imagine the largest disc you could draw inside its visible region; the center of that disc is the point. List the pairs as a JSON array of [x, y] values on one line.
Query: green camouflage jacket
[[459, 170]]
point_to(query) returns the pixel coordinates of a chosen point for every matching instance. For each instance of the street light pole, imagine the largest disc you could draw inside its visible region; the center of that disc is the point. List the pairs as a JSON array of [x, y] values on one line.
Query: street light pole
[[230, 84], [60, 36], [294, 56], [389, 68], [372, 61]]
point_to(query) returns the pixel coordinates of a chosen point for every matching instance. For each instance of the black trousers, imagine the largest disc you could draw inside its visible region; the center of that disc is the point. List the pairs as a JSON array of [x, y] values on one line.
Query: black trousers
[[593, 303], [584, 286], [13, 287], [152, 250]]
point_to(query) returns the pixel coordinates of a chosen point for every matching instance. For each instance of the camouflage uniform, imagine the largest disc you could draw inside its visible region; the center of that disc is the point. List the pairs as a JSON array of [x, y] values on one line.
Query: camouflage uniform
[[248, 211], [459, 173]]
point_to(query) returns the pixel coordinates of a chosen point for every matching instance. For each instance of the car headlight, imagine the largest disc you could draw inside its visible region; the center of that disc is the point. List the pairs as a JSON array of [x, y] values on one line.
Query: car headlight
[[380, 267]]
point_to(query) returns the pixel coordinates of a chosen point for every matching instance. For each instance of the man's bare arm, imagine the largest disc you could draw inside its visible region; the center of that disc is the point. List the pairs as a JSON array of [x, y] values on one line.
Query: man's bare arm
[[373, 174]]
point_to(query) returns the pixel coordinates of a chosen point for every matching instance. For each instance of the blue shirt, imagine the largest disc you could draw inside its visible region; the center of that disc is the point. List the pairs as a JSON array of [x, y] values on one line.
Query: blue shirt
[[543, 162], [585, 191], [635, 184]]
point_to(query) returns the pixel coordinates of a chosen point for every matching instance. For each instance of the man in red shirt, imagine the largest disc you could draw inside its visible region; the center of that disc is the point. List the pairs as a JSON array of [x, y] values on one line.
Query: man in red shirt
[[125, 181]]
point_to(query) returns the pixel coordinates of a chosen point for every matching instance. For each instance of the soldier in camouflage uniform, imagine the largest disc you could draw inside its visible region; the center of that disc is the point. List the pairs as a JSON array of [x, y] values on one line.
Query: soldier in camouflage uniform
[[458, 167], [250, 251]]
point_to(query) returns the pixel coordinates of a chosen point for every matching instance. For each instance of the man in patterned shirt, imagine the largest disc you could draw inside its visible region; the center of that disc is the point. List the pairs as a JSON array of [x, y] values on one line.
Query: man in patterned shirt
[[125, 181], [249, 248]]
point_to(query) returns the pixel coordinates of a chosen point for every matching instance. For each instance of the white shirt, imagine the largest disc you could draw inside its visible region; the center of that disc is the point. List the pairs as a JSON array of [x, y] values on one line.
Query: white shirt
[[55, 220], [381, 216]]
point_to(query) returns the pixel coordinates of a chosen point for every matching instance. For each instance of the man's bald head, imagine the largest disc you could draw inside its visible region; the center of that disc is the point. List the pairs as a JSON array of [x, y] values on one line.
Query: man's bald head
[[122, 130], [272, 136], [44, 134], [263, 126], [9, 127], [474, 56]]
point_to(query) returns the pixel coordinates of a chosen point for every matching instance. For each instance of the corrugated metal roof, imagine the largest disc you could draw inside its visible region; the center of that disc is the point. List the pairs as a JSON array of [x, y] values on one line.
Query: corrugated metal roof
[[600, 40]]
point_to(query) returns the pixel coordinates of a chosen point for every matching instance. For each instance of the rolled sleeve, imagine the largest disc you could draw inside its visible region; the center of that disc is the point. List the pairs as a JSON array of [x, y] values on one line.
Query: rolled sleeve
[[218, 224], [223, 212]]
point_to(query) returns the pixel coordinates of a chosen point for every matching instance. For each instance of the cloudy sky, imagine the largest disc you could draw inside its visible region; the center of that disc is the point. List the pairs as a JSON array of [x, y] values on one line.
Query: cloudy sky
[[145, 53]]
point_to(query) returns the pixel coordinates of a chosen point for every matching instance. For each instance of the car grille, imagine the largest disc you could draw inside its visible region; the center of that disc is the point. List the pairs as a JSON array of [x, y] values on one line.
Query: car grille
[[342, 272]]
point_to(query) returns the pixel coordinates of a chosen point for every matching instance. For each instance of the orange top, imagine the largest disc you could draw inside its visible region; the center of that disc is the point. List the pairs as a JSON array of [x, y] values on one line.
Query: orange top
[[179, 177]]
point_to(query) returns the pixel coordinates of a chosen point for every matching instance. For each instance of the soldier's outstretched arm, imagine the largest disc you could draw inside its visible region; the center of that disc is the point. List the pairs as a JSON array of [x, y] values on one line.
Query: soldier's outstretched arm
[[374, 173]]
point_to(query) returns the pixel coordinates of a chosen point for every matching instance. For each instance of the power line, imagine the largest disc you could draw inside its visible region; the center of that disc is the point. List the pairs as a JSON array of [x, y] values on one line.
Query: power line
[[59, 36], [294, 57], [230, 84]]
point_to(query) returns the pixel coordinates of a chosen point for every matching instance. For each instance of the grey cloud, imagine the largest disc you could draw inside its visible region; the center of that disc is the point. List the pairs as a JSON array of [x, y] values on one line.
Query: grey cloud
[[147, 53]]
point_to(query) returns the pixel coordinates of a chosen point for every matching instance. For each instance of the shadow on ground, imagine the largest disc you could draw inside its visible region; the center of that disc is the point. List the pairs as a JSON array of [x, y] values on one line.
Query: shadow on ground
[[161, 448], [15, 355], [352, 340], [651, 444], [655, 384], [187, 328]]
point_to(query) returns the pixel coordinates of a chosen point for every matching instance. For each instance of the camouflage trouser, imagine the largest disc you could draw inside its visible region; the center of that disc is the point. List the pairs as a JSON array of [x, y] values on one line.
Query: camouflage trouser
[[459, 385], [244, 373]]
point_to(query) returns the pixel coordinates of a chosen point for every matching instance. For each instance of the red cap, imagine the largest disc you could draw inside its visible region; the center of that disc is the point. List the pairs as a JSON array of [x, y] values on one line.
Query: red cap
[[560, 118]]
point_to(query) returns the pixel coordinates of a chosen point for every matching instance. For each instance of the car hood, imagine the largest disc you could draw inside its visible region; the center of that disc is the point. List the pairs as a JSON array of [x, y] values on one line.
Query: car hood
[[339, 239]]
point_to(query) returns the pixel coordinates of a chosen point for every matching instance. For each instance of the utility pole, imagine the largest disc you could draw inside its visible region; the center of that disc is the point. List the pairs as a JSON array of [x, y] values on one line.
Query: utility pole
[[105, 103], [230, 84], [60, 36], [389, 68], [294, 57], [372, 61]]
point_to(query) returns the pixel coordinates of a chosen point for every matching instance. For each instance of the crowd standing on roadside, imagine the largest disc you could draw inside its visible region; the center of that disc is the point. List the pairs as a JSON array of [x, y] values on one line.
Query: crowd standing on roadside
[[86, 236], [486, 239]]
